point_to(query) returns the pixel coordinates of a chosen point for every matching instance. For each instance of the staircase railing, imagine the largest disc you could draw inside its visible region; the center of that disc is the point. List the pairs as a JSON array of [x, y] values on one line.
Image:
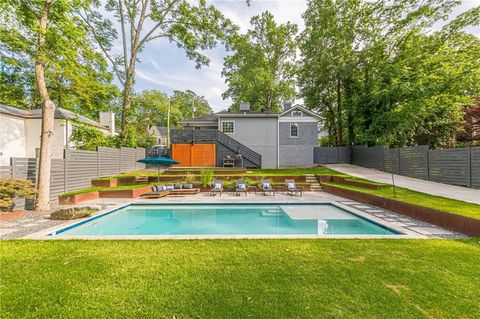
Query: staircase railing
[[240, 148]]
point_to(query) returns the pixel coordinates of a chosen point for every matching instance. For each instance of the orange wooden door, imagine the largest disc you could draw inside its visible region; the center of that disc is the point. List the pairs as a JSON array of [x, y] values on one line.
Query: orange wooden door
[[194, 155], [182, 154], [209, 155]]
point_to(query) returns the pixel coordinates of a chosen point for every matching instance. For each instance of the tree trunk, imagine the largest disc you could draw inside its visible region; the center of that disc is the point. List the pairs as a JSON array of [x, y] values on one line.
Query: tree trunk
[[349, 103], [48, 114], [339, 113], [127, 102]]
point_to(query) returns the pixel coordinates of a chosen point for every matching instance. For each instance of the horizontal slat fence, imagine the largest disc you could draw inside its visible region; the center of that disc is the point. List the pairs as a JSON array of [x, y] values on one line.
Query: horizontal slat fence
[[75, 171], [456, 166]]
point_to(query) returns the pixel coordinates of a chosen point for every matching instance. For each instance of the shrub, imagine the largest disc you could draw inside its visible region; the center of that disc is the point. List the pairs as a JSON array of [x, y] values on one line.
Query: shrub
[[11, 188], [190, 178], [206, 177]]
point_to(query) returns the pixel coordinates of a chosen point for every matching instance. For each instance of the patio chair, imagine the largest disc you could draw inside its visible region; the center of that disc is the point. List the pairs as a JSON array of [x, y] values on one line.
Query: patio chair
[[266, 187], [158, 191], [291, 188], [217, 187], [240, 187]]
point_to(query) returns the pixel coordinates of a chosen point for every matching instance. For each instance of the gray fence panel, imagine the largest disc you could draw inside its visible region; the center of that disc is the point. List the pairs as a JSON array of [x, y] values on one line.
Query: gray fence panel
[[140, 153], [24, 168], [108, 161], [344, 154], [57, 180], [475, 167], [392, 161], [375, 157], [6, 171], [81, 168], [332, 155], [359, 154], [319, 155], [128, 158], [450, 166], [414, 162]]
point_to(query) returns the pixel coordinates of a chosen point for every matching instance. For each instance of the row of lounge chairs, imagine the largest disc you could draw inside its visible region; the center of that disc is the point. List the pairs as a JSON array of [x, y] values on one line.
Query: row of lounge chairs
[[266, 187], [159, 191]]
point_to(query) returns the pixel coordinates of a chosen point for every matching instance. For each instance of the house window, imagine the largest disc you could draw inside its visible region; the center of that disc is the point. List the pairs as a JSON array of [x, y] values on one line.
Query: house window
[[297, 113], [293, 129], [228, 127]]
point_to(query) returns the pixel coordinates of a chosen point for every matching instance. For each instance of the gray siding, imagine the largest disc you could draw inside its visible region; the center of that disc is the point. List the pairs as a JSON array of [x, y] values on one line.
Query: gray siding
[[297, 152], [259, 134]]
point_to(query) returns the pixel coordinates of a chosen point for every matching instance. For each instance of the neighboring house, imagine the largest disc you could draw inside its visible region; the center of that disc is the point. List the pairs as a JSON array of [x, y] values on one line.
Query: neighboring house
[[282, 139], [160, 134], [20, 131]]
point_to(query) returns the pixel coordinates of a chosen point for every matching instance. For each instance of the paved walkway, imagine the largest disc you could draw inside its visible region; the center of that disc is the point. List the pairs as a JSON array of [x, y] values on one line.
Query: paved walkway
[[454, 192]]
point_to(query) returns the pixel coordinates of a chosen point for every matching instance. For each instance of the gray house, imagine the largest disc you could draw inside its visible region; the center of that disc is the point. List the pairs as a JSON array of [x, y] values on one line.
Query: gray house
[[282, 139]]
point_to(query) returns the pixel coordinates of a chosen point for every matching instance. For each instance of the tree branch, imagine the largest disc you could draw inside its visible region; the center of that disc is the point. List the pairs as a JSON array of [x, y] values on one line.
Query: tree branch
[[104, 50]]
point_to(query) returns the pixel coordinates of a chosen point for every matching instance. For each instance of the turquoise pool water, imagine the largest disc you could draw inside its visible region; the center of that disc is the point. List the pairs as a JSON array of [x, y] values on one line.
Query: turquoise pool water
[[216, 219]]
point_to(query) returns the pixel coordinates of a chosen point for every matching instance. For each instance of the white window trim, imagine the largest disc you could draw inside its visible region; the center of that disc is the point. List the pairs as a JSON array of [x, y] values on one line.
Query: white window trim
[[298, 130], [301, 113], [227, 121]]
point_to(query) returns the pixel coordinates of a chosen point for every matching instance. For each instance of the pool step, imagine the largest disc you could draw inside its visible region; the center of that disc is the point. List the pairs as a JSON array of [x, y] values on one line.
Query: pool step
[[313, 181]]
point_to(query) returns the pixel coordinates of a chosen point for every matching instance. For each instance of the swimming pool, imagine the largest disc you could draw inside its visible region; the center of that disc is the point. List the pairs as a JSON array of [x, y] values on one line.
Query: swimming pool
[[226, 219]]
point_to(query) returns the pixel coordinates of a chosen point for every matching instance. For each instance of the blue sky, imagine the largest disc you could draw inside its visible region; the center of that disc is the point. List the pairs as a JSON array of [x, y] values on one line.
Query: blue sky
[[164, 67]]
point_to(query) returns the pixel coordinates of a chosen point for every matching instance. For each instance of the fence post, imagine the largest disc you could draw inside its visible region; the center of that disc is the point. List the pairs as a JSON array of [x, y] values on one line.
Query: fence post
[[98, 162], [65, 170], [428, 165], [13, 162], [469, 167], [120, 158]]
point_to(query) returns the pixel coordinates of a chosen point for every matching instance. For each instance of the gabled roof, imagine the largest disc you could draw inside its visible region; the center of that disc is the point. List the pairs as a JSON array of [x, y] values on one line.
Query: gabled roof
[[37, 114], [208, 119], [303, 109]]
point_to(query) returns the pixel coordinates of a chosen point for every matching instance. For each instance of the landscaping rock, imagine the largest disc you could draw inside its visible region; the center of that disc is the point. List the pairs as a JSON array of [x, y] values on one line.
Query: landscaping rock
[[72, 213]]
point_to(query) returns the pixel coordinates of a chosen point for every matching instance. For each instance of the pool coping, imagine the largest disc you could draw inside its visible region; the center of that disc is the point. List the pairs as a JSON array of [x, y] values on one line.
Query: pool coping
[[46, 234]]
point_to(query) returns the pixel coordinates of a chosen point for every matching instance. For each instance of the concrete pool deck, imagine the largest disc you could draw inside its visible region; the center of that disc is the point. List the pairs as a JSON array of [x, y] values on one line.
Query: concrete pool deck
[[36, 226]]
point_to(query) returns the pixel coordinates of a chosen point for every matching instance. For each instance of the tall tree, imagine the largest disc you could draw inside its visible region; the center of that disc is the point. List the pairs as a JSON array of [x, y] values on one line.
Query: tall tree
[[189, 104], [82, 84], [46, 34], [380, 68], [193, 26], [261, 68]]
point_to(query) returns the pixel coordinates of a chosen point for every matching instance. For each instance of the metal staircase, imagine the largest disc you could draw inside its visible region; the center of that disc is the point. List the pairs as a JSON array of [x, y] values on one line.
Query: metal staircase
[[239, 148]]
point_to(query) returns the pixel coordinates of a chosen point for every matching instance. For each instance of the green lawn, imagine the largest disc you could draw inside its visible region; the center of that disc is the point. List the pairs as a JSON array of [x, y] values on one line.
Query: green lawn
[[240, 279], [436, 202]]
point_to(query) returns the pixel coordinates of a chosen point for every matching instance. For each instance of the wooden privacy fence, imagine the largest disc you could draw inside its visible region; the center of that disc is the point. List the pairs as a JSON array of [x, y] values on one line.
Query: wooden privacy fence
[[456, 166], [76, 170]]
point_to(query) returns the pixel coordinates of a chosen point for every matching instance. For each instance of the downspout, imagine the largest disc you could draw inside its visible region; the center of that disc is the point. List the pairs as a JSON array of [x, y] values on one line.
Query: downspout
[[278, 142]]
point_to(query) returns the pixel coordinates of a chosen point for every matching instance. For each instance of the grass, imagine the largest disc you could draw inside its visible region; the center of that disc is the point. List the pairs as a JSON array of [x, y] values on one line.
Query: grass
[[293, 171], [240, 279], [436, 202]]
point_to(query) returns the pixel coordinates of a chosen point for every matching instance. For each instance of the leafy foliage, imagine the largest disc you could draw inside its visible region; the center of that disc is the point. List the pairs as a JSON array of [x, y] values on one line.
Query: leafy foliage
[[380, 75], [206, 177], [76, 73], [11, 188], [262, 66], [194, 26], [87, 138]]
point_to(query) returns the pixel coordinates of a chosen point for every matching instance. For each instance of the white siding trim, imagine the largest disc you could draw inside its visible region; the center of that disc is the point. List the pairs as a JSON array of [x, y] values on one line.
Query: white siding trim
[[303, 119]]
